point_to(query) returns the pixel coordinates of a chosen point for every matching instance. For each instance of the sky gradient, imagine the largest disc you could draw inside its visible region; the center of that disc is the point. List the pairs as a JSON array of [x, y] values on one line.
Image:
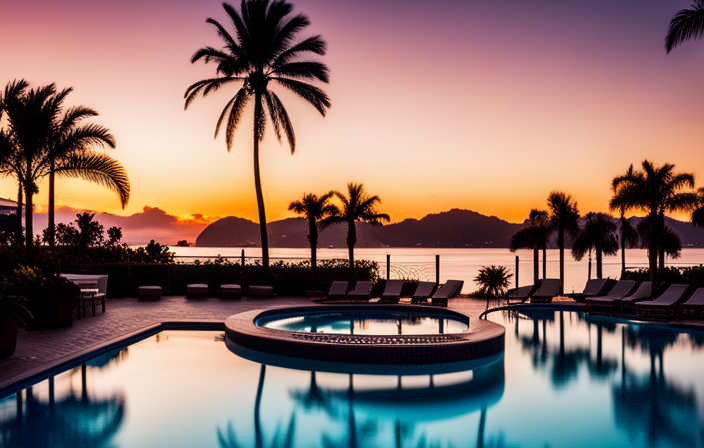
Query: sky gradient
[[480, 105]]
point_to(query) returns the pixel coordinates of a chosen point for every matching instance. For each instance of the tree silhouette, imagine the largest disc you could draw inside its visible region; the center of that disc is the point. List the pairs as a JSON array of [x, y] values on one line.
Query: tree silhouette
[[598, 233], [655, 191], [315, 209], [535, 237], [564, 215], [39, 141], [262, 51], [357, 205], [685, 25]]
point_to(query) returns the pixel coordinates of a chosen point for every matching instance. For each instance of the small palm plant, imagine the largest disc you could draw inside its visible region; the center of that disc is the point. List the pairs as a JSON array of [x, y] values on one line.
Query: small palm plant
[[14, 310], [493, 281]]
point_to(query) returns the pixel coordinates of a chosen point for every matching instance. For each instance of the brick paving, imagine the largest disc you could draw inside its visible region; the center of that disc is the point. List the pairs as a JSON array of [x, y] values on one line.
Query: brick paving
[[124, 316]]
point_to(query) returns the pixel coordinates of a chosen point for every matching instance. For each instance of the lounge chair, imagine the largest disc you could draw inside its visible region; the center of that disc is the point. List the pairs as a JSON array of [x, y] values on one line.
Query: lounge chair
[[392, 291], [447, 291], [338, 290], [547, 289], [93, 287], [694, 306], [595, 287], [612, 300], [519, 294], [628, 303], [663, 305], [362, 291], [423, 292]]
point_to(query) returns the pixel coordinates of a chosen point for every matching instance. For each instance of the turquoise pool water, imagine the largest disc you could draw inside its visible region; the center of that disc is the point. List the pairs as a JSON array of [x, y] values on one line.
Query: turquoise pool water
[[565, 380], [388, 323]]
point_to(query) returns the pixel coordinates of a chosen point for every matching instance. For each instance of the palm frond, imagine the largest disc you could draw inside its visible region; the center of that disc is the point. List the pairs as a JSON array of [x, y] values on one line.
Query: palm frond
[[285, 122], [241, 100], [100, 169], [304, 70], [685, 25], [274, 114], [313, 44], [312, 94]]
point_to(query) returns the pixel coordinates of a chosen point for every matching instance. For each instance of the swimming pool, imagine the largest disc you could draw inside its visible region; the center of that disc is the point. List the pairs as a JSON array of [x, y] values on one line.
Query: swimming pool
[[565, 379], [367, 322]]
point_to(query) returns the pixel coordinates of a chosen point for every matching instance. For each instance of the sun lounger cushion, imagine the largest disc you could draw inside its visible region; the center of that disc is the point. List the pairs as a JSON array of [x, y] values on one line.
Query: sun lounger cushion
[[671, 295], [197, 289], [424, 290], [260, 291], [618, 292], [642, 293], [362, 290], [338, 290], [230, 291], [148, 293], [392, 289]]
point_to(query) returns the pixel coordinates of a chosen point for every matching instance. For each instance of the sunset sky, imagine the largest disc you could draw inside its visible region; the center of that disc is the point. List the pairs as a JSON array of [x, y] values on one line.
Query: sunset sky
[[440, 104]]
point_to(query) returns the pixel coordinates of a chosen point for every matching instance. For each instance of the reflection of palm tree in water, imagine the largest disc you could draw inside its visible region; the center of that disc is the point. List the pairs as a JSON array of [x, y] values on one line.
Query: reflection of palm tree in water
[[665, 411], [72, 421]]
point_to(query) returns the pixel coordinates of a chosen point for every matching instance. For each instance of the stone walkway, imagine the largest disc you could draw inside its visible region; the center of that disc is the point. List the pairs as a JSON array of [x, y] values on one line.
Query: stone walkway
[[125, 316]]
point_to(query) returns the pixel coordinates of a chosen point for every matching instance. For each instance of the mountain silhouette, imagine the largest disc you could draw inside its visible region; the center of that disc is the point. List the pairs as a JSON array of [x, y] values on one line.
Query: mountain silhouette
[[453, 228]]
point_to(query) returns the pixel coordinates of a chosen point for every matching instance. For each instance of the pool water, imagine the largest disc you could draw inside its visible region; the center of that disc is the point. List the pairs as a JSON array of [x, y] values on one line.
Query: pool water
[[565, 380], [388, 324]]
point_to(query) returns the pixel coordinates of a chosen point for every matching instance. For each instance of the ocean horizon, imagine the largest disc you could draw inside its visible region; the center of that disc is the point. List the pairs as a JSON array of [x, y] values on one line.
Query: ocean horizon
[[455, 263]]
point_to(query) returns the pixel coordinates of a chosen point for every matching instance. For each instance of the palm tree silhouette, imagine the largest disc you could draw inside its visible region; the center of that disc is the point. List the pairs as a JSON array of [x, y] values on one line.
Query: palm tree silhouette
[[315, 209], [563, 217], [535, 237], [356, 206], [40, 142], [598, 233], [655, 191], [70, 154], [262, 51], [685, 25]]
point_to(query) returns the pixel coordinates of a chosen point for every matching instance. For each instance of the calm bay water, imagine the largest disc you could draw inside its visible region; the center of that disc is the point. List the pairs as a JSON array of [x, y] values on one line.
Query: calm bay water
[[458, 264]]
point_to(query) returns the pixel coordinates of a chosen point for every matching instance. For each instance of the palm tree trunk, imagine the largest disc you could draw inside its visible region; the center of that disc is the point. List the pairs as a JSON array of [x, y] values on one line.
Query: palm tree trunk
[[50, 226], [623, 244], [545, 261], [561, 245], [18, 230], [351, 241], [661, 256], [536, 265], [599, 254], [313, 239], [653, 256], [28, 222], [258, 183]]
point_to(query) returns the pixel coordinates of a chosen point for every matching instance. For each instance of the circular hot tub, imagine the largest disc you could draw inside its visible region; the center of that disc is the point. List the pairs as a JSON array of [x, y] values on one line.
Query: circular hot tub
[[367, 334]]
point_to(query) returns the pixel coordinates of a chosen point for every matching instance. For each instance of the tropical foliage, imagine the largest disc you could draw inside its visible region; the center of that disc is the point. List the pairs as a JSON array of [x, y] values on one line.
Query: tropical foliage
[[262, 52], [564, 216], [315, 209], [655, 191], [599, 233], [357, 205], [493, 281], [685, 25]]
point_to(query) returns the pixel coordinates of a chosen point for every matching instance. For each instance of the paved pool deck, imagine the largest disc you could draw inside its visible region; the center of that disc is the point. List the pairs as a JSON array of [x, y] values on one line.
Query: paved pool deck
[[127, 316]]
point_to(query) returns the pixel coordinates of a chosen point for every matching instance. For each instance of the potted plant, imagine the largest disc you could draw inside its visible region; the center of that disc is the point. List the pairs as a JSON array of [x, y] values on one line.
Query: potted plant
[[53, 298], [14, 313]]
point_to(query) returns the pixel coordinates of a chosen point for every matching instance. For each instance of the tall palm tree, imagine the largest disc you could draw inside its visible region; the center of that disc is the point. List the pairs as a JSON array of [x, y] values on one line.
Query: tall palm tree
[[669, 243], [357, 205], [535, 237], [564, 216], [598, 233], [262, 51], [656, 190], [685, 25], [315, 209], [71, 154]]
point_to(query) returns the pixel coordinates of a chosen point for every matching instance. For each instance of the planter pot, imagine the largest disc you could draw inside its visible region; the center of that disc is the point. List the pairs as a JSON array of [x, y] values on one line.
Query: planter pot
[[56, 313], [8, 340]]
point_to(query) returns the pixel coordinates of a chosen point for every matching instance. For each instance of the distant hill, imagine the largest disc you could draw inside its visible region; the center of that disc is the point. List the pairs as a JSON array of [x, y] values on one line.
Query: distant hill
[[454, 228]]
